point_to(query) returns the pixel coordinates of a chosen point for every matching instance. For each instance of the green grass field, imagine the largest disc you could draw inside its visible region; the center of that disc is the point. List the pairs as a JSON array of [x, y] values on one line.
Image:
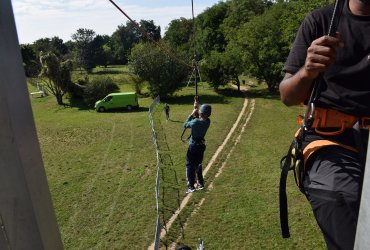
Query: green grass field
[[101, 170]]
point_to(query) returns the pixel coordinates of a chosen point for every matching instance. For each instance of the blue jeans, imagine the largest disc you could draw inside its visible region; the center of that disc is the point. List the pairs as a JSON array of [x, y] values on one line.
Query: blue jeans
[[194, 158]]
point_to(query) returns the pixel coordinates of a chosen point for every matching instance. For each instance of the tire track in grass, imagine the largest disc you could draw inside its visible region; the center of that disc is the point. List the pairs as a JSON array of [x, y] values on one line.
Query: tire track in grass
[[88, 189], [220, 149], [118, 192]]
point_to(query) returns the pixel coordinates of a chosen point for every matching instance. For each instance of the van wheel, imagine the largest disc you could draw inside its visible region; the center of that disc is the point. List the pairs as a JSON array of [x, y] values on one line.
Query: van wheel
[[129, 107], [101, 109]]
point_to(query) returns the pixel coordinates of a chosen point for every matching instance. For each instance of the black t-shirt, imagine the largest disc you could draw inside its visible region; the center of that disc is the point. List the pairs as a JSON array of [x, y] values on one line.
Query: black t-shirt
[[345, 85]]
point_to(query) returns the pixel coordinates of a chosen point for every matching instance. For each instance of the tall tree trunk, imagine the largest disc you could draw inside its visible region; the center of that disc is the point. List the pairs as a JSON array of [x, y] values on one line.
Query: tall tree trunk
[[238, 83], [59, 99]]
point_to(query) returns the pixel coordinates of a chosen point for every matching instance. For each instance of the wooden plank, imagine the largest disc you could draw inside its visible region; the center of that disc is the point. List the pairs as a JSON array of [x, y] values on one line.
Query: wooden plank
[[27, 216]]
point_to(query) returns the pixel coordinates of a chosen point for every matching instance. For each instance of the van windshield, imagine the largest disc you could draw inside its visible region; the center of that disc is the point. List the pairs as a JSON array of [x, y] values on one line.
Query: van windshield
[[108, 98]]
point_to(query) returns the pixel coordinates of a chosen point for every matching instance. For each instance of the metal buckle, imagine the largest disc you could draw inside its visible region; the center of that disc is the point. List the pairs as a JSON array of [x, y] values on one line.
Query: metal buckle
[[309, 116], [365, 122]]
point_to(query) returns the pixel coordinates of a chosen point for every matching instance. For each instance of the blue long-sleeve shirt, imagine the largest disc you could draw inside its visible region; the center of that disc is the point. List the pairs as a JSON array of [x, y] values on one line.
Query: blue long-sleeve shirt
[[198, 127]]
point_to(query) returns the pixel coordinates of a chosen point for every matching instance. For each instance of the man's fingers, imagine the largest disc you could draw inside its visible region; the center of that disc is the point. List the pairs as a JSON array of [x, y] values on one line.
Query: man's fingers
[[329, 41]]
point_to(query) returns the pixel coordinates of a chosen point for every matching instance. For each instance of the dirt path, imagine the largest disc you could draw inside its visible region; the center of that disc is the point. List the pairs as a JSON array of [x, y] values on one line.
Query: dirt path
[[246, 110]]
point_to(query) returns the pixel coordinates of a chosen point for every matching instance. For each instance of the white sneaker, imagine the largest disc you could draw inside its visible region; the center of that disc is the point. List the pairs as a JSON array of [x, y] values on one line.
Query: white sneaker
[[191, 190]]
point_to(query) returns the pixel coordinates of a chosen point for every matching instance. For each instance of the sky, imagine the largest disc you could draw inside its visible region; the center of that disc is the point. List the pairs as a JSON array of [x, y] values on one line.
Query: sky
[[37, 19]]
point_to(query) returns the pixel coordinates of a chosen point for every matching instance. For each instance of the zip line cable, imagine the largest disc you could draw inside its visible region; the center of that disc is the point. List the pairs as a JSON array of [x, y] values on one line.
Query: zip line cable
[[195, 68]]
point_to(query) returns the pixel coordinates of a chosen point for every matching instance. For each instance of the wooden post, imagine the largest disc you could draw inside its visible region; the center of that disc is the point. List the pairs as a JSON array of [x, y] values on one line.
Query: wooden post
[[27, 218]]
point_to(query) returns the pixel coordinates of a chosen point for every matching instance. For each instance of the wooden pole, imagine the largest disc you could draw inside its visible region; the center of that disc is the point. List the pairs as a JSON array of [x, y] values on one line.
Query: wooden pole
[[27, 218]]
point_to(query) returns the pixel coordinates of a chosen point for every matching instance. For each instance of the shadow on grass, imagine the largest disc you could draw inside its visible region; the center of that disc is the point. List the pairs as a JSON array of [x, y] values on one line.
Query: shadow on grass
[[77, 103], [188, 99], [263, 94], [111, 72], [135, 110], [81, 105]]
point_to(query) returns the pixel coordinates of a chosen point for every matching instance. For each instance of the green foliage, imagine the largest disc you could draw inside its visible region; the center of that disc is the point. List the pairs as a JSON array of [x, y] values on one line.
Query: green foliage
[[165, 70], [85, 48], [98, 88], [31, 67], [240, 12], [263, 46], [222, 68], [54, 45], [179, 34], [209, 35], [58, 74], [294, 14], [126, 36], [151, 30]]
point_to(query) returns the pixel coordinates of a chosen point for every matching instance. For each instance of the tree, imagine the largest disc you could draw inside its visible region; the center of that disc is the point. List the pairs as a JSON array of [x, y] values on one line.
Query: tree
[[126, 36], [209, 36], [102, 50], [165, 70], [97, 89], [54, 45], [58, 75], [221, 68], [263, 46], [240, 12], [179, 34], [31, 67], [153, 31], [85, 49], [294, 15]]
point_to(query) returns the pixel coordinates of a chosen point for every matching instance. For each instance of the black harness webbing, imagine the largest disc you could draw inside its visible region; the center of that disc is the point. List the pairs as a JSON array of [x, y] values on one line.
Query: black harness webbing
[[285, 165], [289, 161]]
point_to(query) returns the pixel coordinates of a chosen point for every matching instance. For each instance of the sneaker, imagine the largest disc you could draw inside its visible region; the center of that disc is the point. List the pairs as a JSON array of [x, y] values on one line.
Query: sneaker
[[200, 187], [190, 190]]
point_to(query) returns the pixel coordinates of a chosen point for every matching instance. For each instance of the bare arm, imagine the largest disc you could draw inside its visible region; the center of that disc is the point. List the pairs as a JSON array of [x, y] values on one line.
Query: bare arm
[[295, 88]]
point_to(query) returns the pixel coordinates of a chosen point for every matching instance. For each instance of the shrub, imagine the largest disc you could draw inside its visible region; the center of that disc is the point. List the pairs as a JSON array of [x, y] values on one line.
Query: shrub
[[98, 88]]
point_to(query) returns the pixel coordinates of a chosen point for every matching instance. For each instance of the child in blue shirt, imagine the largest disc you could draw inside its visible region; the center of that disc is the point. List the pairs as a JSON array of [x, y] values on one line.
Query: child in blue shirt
[[199, 123]]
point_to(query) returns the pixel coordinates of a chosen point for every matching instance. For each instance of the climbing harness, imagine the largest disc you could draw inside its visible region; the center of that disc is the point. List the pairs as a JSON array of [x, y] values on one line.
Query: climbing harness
[[314, 118]]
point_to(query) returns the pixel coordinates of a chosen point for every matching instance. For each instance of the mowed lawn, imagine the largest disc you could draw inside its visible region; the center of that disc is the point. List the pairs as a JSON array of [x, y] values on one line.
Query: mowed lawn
[[101, 167], [242, 209]]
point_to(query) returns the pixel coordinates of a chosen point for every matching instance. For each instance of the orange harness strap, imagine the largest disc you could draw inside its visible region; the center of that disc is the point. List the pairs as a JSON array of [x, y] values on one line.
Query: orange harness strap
[[329, 118], [316, 145]]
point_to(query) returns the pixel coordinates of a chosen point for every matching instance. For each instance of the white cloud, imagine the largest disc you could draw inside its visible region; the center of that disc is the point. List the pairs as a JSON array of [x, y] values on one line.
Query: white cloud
[[39, 19]]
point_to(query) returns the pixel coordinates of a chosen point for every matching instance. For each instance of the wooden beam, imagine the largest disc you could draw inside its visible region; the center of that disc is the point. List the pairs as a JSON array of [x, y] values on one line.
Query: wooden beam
[[27, 218]]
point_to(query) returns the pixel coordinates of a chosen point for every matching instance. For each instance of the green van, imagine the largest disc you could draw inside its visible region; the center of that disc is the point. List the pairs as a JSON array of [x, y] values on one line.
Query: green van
[[121, 100]]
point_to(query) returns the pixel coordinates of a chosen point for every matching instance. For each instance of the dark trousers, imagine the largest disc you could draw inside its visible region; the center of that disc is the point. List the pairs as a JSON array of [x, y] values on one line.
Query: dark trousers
[[194, 158], [333, 187]]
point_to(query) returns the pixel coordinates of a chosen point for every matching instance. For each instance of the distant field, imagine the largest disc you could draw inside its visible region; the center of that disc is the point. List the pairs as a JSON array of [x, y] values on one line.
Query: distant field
[[101, 172]]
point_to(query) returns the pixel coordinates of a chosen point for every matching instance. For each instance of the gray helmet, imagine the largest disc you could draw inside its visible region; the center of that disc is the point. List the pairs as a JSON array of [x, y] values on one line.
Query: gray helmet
[[206, 109]]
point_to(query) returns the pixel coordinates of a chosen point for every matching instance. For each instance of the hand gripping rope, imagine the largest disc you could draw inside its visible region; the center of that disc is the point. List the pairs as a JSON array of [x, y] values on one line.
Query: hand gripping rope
[[293, 159]]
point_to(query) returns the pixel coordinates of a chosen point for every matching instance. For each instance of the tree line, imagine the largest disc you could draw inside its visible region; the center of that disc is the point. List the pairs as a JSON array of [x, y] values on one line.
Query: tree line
[[229, 39]]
